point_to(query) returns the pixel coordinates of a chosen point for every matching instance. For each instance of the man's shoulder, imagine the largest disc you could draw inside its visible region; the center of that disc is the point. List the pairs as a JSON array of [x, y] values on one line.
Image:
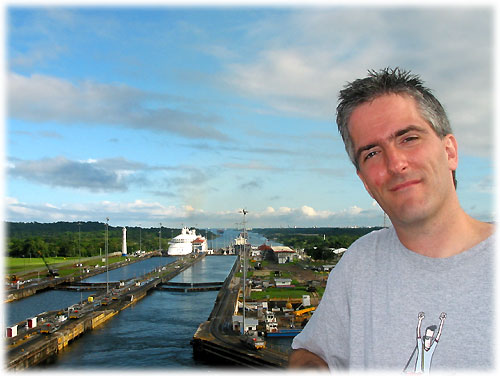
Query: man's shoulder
[[368, 247], [374, 239]]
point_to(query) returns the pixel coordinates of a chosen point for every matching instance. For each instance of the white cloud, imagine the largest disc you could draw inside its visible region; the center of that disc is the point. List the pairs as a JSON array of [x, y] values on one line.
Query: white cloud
[[62, 172], [110, 175], [284, 209], [354, 210], [327, 48], [150, 213], [40, 98], [269, 210]]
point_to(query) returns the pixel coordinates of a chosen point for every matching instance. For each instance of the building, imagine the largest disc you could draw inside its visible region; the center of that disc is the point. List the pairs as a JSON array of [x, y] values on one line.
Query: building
[[199, 244], [250, 323], [284, 254], [283, 282], [257, 254]]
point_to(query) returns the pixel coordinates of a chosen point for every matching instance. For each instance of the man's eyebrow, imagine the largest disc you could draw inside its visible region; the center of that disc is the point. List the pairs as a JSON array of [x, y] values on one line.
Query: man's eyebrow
[[362, 149], [398, 133], [409, 128]]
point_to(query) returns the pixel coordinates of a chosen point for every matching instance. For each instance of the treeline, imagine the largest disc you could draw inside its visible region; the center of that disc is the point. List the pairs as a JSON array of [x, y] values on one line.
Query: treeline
[[69, 239], [317, 242]]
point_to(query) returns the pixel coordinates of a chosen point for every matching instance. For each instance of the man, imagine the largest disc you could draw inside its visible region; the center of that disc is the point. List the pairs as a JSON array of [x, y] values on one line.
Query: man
[[435, 257], [425, 346]]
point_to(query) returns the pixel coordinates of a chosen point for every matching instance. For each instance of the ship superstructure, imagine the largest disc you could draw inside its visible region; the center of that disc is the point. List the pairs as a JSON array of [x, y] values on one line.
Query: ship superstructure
[[186, 243]]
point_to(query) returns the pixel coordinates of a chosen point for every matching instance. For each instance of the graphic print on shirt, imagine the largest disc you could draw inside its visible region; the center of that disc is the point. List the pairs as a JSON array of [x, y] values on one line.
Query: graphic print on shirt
[[426, 345]]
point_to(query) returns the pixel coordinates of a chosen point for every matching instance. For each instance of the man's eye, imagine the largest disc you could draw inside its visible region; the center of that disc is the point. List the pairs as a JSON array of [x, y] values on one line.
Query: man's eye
[[370, 155], [410, 139]]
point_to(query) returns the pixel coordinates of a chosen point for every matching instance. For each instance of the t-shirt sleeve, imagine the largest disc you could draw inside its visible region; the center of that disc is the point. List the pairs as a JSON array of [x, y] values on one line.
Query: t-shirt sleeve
[[326, 332]]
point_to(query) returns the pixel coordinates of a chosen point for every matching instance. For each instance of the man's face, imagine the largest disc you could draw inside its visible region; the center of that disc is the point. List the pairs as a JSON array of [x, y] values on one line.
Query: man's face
[[402, 162], [428, 338]]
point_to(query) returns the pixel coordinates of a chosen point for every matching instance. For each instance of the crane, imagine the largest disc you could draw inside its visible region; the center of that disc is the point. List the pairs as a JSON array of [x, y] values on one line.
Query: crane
[[305, 310], [52, 272]]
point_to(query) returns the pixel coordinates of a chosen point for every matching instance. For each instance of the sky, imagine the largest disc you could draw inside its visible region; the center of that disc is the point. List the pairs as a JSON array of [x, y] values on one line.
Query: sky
[[185, 115]]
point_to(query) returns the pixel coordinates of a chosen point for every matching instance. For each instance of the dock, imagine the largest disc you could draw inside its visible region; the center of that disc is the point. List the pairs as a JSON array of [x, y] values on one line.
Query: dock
[[55, 331], [212, 341], [24, 291], [190, 287]]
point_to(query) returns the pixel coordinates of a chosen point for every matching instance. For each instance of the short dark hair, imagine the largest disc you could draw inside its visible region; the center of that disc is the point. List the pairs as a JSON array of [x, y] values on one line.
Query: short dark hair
[[389, 81]]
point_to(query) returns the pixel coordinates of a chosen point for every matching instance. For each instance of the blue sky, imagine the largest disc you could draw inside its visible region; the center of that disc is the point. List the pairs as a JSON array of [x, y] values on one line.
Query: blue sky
[[186, 115]]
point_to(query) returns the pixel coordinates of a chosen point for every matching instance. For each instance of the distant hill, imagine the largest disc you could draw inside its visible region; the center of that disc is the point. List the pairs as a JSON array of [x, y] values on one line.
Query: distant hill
[[70, 239], [328, 231], [317, 242]]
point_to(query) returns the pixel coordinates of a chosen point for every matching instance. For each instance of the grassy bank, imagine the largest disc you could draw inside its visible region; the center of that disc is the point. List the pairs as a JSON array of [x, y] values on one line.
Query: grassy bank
[[32, 267]]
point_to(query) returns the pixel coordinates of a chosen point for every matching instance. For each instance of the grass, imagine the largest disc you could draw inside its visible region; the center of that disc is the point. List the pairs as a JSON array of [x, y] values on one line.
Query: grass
[[20, 265], [279, 293], [65, 265], [284, 293]]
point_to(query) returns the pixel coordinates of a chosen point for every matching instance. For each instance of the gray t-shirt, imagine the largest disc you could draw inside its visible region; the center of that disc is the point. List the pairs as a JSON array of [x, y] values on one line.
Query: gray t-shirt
[[368, 316]]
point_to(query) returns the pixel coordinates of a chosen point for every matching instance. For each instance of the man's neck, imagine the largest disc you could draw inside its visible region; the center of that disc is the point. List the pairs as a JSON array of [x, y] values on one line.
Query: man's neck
[[444, 237]]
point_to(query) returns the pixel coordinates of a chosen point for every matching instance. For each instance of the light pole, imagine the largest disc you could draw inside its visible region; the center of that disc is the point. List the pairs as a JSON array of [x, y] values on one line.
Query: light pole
[[244, 267], [160, 238], [80, 260], [140, 237], [107, 276]]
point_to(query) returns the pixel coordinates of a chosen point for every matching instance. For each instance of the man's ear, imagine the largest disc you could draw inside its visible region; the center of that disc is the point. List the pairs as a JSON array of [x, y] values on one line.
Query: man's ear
[[451, 149], [364, 183]]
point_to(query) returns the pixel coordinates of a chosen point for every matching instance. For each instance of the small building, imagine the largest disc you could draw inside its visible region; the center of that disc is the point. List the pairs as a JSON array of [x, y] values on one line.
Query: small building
[[283, 282], [12, 331], [256, 254], [199, 244], [284, 254], [32, 322], [339, 251], [250, 323]]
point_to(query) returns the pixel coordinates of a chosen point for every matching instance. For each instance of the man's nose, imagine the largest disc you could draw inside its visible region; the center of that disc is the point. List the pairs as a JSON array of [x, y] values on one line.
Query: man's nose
[[396, 160]]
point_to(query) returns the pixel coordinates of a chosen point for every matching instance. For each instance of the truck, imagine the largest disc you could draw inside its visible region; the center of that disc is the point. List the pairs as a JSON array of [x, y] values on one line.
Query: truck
[[48, 328], [253, 342]]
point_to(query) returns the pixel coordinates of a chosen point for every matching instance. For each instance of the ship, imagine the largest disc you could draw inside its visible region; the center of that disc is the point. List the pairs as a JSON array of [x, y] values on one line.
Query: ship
[[186, 243]]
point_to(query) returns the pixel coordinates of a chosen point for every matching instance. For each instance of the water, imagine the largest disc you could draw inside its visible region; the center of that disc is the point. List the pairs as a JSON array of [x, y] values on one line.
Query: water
[[131, 271], [23, 309], [156, 332], [208, 269], [52, 300], [225, 239]]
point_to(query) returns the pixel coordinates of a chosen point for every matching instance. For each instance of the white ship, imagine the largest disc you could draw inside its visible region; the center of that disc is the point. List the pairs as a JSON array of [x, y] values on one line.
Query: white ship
[[187, 242]]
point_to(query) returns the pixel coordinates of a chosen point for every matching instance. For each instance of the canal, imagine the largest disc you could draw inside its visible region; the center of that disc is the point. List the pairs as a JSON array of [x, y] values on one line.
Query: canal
[[156, 332], [51, 300]]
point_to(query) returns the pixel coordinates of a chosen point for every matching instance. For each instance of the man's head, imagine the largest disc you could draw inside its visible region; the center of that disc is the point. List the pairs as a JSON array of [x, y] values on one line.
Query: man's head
[[384, 82], [429, 334], [400, 141]]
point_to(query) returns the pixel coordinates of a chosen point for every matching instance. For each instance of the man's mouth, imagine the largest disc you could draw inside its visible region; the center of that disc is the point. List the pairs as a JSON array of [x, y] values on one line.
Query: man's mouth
[[404, 185]]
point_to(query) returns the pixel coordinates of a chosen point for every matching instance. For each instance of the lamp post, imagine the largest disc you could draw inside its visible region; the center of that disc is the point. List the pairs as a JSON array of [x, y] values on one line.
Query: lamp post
[[140, 237], [80, 260], [107, 276], [244, 267], [160, 238]]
